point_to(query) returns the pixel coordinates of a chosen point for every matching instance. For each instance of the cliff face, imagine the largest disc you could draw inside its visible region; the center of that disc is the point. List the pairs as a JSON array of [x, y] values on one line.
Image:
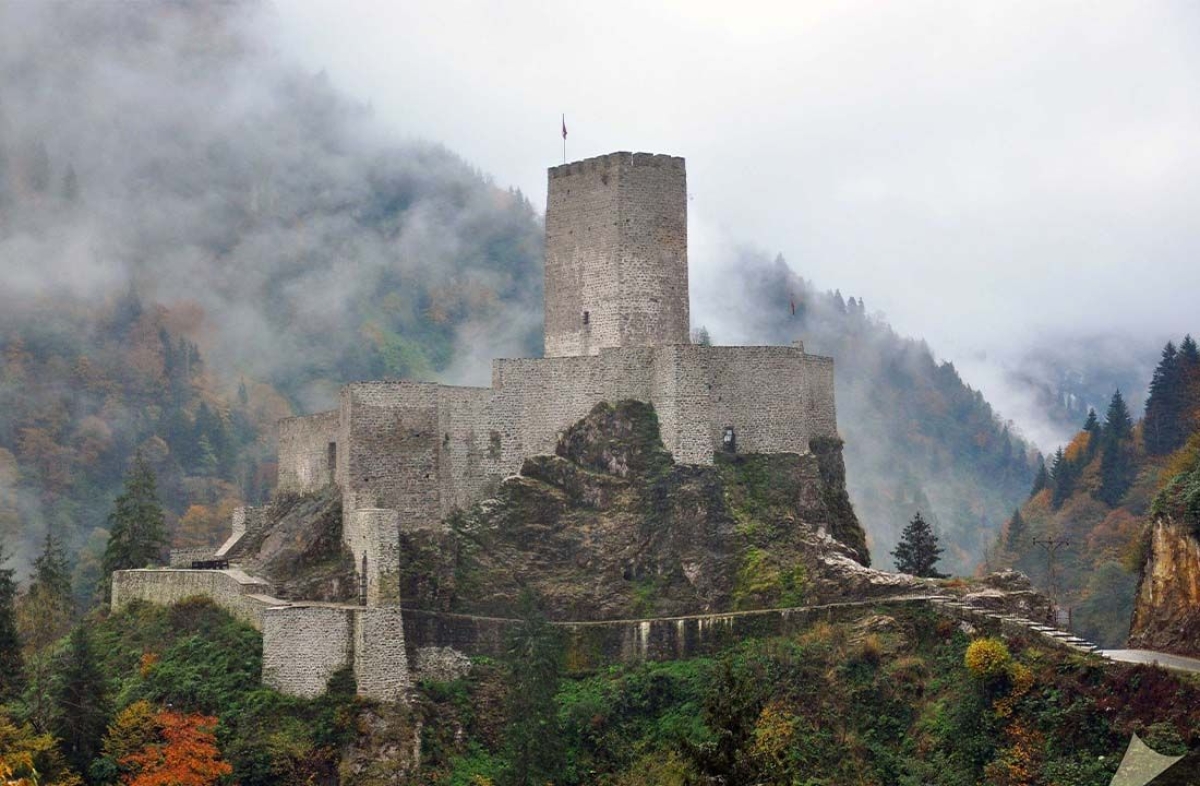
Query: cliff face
[[1166, 613], [610, 527]]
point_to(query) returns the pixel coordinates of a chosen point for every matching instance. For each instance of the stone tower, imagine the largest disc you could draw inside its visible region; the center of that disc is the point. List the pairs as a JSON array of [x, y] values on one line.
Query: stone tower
[[616, 254]]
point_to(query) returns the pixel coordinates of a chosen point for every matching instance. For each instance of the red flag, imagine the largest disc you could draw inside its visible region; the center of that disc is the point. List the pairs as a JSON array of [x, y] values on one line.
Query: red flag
[[564, 126]]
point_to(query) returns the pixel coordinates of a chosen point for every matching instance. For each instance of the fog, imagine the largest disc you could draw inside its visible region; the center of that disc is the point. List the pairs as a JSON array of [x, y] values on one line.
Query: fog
[[994, 178]]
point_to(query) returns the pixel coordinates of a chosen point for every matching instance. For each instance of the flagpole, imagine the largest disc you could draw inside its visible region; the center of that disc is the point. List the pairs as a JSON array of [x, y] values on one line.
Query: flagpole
[[564, 127]]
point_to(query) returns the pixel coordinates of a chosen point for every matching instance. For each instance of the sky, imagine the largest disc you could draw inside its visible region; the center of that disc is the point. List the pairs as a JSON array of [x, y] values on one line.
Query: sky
[[988, 176]]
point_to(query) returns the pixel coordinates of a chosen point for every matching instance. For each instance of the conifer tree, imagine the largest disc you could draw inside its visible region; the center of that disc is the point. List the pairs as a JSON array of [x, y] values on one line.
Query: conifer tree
[[1118, 424], [1163, 429], [1016, 531], [1041, 480], [1189, 353], [137, 535], [1117, 469], [10, 643], [1092, 427], [1063, 473], [52, 573], [81, 705], [533, 738], [918, 551]]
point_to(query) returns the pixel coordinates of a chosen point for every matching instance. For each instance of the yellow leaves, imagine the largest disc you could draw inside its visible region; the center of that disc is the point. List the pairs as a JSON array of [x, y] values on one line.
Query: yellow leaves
[[774, 733], [987, 658]]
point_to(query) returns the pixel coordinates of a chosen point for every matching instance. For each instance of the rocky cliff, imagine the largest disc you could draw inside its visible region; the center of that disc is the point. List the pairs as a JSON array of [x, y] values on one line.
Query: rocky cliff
[[611, 527], [1166, 613]]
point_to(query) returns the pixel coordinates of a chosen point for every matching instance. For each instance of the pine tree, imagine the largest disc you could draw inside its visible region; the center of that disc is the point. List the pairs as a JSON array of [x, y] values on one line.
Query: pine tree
[[1092, 427], [918, 551], [1163, 428], [81, 706], [1063, 472], [1041, 480], [10, 643], [1118, 425], [1016, 531], [533, 738], [52, 572], [137, 535], [1189, 353], [1117, 469]]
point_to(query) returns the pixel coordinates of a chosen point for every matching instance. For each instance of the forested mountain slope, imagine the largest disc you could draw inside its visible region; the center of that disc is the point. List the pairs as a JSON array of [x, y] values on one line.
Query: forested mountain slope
[[1099, 493]]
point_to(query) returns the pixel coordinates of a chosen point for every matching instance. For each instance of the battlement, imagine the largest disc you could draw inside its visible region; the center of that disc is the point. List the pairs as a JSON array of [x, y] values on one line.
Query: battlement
[[614, 160]]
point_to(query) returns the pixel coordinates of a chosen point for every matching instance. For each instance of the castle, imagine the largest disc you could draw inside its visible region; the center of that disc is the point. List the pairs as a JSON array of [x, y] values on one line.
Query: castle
[[404, 455]]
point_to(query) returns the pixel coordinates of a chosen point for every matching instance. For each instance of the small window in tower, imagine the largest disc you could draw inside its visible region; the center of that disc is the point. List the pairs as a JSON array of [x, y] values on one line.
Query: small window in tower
[[586, 317], [331, 459], [729, 440]]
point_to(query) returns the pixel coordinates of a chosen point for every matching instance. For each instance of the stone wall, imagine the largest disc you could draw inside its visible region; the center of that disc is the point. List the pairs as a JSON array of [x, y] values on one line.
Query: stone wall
[[306, 461], [594, 645], [616, 251], [380, 660], [373, 536], [423, 450], [183, 558], [303, 646], [243, 596]]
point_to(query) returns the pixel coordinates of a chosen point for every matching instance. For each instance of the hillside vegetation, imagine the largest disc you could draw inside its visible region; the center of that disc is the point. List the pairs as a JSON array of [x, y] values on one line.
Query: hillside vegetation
[[1099, 492]]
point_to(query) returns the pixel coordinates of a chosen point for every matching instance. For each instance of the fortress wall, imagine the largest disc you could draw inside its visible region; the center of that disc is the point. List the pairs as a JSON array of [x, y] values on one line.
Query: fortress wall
[[683, 400], [471, 442], [304, 459], [373, 536], [183, 558], [595, 645], [776, 398], [303, 646], [242, 596], [380, 661], [384, 421]]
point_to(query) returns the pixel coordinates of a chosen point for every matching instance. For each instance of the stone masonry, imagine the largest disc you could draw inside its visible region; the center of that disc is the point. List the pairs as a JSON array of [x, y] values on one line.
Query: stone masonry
[[404, 455], [407, 454]]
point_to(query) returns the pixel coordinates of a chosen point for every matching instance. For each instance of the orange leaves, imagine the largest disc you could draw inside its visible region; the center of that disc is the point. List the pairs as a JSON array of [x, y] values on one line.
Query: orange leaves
[[178, 750]]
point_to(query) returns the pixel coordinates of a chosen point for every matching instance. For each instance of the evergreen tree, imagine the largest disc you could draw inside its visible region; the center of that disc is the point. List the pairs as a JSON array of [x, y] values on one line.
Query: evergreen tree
[[52, 573], [1163, 427], [1189, 353], [1118, 425], [1016, 531], [1117, 468], [533, 738], [1092, 427], [10, 643], [918, 551], [1064, 474], [1041, 480], [137, 535], [81, 705]]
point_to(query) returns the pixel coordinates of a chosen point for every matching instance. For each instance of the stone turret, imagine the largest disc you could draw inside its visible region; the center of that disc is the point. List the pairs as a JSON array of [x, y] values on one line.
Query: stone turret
[[616, 254]]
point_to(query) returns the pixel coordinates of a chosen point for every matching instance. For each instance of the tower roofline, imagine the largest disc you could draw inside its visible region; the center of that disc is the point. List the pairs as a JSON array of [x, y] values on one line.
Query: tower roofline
[[618, 158]]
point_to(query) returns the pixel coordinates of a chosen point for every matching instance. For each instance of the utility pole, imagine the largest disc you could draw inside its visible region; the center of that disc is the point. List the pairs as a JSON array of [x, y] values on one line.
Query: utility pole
[[1052, 545]]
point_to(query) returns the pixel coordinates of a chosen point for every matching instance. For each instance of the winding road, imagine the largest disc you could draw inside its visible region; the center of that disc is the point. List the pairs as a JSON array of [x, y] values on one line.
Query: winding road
[[1167, 661]]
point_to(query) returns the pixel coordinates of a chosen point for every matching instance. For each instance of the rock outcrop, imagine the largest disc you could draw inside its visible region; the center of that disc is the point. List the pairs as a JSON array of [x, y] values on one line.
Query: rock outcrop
[[610, 527], [299, 549], [1166, 612]]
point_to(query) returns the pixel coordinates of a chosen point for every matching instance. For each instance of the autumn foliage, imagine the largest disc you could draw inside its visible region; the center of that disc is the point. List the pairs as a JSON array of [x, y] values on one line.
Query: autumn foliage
[[165, 748]]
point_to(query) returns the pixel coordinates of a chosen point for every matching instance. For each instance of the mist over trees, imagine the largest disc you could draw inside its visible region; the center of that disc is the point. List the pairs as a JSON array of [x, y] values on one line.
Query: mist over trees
[[202, 238], [917, 437]]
